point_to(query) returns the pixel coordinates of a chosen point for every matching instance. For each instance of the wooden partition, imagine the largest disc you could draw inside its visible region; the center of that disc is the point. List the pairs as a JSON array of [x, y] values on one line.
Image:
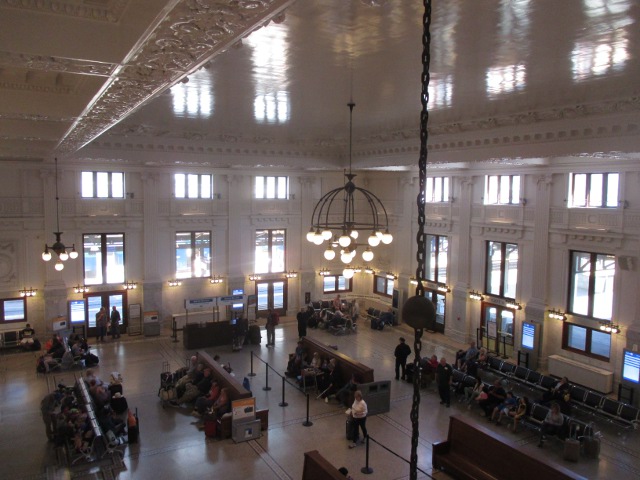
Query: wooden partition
[[316, 467]]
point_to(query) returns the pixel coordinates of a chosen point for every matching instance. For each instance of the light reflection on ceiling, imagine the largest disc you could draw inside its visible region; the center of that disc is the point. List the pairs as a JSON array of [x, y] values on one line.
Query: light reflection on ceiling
[[270, 67], [193, 99]]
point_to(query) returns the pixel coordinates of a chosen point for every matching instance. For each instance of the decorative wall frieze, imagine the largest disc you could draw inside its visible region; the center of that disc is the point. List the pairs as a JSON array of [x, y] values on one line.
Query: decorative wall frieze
[[59, 90], [55, 64], [8, 263], [105, 11], [269, 221], [610, 242]]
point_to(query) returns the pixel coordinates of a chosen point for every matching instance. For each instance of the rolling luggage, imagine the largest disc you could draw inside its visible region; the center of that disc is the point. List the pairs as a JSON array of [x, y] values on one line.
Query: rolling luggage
[[591, 442], [572, 445], [349, 427], [254, 335], [133, 427], [210, 425]]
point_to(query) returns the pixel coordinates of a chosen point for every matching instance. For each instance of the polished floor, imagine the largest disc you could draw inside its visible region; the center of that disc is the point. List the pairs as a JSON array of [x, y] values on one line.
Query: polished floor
[[172, 447]]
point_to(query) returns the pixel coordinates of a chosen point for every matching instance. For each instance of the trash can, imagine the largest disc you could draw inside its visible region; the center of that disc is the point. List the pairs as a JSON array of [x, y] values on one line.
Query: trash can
[[377, 395]]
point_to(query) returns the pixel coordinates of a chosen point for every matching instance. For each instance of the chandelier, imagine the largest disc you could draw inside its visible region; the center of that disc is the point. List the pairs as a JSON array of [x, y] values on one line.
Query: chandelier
[[58, 247], [334, 218]]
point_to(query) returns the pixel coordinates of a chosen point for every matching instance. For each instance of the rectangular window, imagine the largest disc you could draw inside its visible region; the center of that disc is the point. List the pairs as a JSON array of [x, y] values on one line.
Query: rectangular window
[[437, 189], [501, 276], [102, 185], [193, 254], [586, 341], [591, 284], [502, 190], [593, 190], [336, 284], [272, 187], [383, 285], [13, 310], [270, 251], [103, 255], [193, 185], [436, 267]]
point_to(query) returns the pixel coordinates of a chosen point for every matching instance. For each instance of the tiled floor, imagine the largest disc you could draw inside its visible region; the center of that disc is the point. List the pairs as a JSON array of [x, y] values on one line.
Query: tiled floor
[[172, 447]]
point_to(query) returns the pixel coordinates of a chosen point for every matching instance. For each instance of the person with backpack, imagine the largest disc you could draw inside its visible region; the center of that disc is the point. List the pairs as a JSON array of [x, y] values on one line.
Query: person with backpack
[[272, 321]]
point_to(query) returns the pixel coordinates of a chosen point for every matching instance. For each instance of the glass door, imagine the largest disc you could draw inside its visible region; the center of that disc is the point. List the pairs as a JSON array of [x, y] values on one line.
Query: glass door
[[439, 301], [95, 301], [271, 294], [497, 329]]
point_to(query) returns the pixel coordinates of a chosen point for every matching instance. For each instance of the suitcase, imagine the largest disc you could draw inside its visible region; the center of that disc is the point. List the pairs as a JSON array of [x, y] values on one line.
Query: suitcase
[[255, 337], [210, 425], [591, 447], [349, 428], [571, 450], [133, 431]]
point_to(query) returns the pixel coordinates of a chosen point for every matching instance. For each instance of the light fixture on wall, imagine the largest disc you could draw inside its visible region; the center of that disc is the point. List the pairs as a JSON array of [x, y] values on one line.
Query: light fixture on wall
[[254, 276], [336, 221], [556, 314], [80, 289], [513, 304], [473, 295], [391, 276], [28, 292], [291, 274], [369, 270], [129, 285], [443, 288], [324, 272], [215, 279], [413, 281], [175, 282], [63, 252], [609, 327]]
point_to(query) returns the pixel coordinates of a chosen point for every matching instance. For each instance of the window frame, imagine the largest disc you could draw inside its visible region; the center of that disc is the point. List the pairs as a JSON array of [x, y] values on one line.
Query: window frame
[[195, 248], [387, 281], [200, 182], [513, 196], [588, 341], [262, 192], [3, 319], [591, 294], [503, 271], [337, 289], [95, 183], [588, 193], [270, 250], [431, 189], [104, 264], [435, 253]]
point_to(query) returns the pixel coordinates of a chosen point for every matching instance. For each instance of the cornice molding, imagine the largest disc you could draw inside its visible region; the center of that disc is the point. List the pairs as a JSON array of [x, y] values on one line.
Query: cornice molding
[[55, 64], [111, 12]]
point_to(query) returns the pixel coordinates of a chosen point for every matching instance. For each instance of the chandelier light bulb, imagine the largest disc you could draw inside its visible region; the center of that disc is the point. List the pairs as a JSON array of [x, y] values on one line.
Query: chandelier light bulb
[[310, 234], [318, 239], [348, 272], [379, 234], [354, 234], [59, 265], [73, 254], [387, 238], [46, 255], [64, 256], [345, 257], [329, 253], [327, 234], [373, 240], [367, 255], [344, 240]]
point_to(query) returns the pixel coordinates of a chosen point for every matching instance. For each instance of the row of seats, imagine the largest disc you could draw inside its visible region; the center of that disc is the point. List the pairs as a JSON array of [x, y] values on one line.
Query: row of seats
[[584, 398]]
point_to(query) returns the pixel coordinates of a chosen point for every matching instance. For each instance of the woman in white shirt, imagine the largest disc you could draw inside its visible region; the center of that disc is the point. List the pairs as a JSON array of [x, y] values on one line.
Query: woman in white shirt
[[359, 413]]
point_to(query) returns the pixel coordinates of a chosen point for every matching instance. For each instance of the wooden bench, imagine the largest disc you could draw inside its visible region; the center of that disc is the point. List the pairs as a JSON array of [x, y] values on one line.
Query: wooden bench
[[236, 392], [346, 365], [472, 451], [316, 467]]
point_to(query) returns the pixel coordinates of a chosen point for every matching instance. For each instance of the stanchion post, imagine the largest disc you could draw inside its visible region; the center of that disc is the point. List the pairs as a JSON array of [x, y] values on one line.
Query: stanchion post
[[251, 374], [367, 470], [307, 422], [266, 388], [283, 403], [175, 331], [504, 346]]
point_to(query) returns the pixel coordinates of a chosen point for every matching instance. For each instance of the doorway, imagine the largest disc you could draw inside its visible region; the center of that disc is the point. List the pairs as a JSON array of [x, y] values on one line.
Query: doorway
[[497, 326], [439, 301], [271, 294], [95, 301]]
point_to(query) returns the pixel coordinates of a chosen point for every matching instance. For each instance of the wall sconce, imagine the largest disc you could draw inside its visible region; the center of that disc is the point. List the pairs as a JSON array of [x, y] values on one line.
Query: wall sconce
[[609, 327], [253, 277], [215, 279], [514, 305], [175, 283], [556, 314], [130, 285], [443, 288], [391, 276], [413, 281], [369, 270], [473, 295], [324, 272], [291, 274], [28, 292], [357, 269], [80, 289]]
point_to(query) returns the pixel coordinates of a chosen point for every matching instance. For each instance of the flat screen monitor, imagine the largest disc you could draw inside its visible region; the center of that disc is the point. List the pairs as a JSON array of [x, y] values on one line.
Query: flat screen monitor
[[631, 366], [528, 335], [77, 312], [238, 291]]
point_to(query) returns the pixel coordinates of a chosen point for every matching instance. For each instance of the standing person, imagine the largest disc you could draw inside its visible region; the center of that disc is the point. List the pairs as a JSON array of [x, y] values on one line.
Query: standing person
[[359, 413], [444, 375], [101, 324], [401, 353], [115, 323], [337, 304], [272, 320], [302, 319], [355, 311], [47, 408]]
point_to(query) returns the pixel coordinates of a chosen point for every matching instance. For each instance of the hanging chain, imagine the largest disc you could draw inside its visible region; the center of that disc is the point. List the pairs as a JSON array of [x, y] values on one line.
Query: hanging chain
[[420, 236]]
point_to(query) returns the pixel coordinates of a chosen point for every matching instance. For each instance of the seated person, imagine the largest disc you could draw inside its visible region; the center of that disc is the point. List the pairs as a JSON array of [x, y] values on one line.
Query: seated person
[[463, 357], [222, 404], [205, 402], [27, 337], [57, 348], [344, 394], [429, 365], [471, 393], [338, 319], [557, 392], [519, 412], [495, 396], [552, 424], [119, 403], [296, 361], [387, 318], [331, 381], [193, 391], [90, 375], [503, 409], [194, 376]]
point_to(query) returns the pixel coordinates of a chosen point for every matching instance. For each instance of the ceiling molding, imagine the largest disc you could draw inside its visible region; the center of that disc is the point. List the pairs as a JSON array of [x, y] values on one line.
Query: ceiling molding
[[110, 10]]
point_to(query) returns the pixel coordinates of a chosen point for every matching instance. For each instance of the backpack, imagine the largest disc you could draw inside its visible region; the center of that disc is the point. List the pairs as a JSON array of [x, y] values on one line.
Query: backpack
[[40, 368], [276, 318]]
